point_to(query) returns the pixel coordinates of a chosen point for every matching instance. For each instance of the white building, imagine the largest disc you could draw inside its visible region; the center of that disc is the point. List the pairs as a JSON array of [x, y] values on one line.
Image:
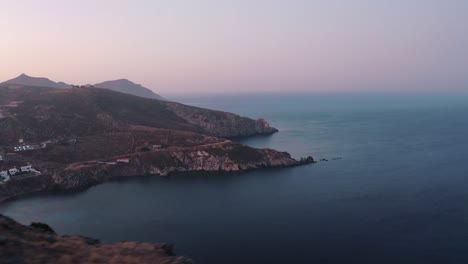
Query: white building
[[23, 148], [4, 174], [13, 171], [1, 158], [27, 168]]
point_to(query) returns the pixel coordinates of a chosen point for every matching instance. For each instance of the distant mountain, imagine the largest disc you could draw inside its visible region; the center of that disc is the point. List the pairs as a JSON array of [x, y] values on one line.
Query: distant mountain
[[128, 87], [122, 85], [26, 80]]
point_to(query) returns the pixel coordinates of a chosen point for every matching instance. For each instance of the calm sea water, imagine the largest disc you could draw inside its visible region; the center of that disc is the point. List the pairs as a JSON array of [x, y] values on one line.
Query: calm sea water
[[398, 195]]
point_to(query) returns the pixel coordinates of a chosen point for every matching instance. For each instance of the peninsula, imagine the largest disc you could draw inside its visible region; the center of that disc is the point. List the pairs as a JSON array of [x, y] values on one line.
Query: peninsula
[[55, 139]]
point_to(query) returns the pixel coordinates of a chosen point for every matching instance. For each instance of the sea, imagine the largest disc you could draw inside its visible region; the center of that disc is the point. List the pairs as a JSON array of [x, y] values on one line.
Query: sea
[[392, 187]]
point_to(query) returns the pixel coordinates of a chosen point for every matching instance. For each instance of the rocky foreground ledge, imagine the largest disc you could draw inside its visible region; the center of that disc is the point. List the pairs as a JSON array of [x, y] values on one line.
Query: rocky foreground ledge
[[38, 243]]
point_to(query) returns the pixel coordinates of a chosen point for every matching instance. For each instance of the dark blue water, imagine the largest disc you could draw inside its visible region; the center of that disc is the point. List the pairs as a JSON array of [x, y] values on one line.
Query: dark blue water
[[399, 195]]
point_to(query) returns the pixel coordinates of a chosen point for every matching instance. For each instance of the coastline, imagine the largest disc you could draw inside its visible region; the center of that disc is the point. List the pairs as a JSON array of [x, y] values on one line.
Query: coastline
[[28, 242], [56, 189], [38, 243]]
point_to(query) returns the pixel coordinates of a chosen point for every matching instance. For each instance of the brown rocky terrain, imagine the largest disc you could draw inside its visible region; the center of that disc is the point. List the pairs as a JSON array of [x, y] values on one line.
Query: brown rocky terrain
[[86, 136], [38, 243], [44, 113], [221, 124]]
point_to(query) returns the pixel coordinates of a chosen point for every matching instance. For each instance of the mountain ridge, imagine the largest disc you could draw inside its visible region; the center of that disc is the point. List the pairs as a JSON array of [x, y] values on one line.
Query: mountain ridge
[[119, 85], [27, 80], [128, 87]]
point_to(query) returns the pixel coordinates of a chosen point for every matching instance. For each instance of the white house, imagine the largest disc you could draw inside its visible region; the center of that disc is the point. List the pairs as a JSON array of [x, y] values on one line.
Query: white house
[[23, 148], [13, 171], [3, 174], [123, 160], [1, 158], [27, 168]]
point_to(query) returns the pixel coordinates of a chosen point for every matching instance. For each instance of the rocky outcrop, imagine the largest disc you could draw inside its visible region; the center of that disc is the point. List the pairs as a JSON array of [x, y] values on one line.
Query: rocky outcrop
[[225, 157], [221, 124], [38, 243], [219, 157]]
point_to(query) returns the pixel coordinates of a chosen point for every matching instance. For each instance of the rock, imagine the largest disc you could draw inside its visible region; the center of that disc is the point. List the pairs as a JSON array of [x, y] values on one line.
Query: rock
[[307, 160], [263, 127], [168, 249], [43, 227], [22, 244], [221, 124]]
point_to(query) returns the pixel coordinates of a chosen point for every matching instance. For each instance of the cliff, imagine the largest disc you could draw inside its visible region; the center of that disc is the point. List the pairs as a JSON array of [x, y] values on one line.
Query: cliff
[[221, 124], [38, 243]]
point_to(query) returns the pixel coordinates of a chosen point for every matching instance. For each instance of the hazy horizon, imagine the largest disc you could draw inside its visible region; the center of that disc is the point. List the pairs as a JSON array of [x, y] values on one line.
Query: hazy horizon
[[242, 47]]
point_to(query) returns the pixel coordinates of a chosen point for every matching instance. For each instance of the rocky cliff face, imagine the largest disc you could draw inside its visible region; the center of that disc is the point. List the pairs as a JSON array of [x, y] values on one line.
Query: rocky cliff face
[[225, 157], [38, 243], [221, 124]]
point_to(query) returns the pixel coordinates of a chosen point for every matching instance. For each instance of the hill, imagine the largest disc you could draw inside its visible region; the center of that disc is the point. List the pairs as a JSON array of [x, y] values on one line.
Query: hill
[[26, 80], [122, 85], [46, 112], [128, 87]]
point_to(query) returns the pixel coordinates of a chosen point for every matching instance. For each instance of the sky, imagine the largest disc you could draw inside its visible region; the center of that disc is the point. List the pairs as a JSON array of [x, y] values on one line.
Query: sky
[[221, 46]]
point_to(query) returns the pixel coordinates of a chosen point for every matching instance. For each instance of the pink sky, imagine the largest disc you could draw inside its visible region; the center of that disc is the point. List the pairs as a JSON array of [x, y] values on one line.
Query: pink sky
[[240, 46]]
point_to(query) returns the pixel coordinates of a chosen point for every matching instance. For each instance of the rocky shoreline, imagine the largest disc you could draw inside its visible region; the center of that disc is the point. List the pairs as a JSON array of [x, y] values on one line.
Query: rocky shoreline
[[224, 158], [38, 243]]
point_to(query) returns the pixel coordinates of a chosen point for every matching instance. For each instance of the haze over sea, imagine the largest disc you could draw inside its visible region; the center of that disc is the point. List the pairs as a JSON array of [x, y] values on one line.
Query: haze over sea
[[398, 195]]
